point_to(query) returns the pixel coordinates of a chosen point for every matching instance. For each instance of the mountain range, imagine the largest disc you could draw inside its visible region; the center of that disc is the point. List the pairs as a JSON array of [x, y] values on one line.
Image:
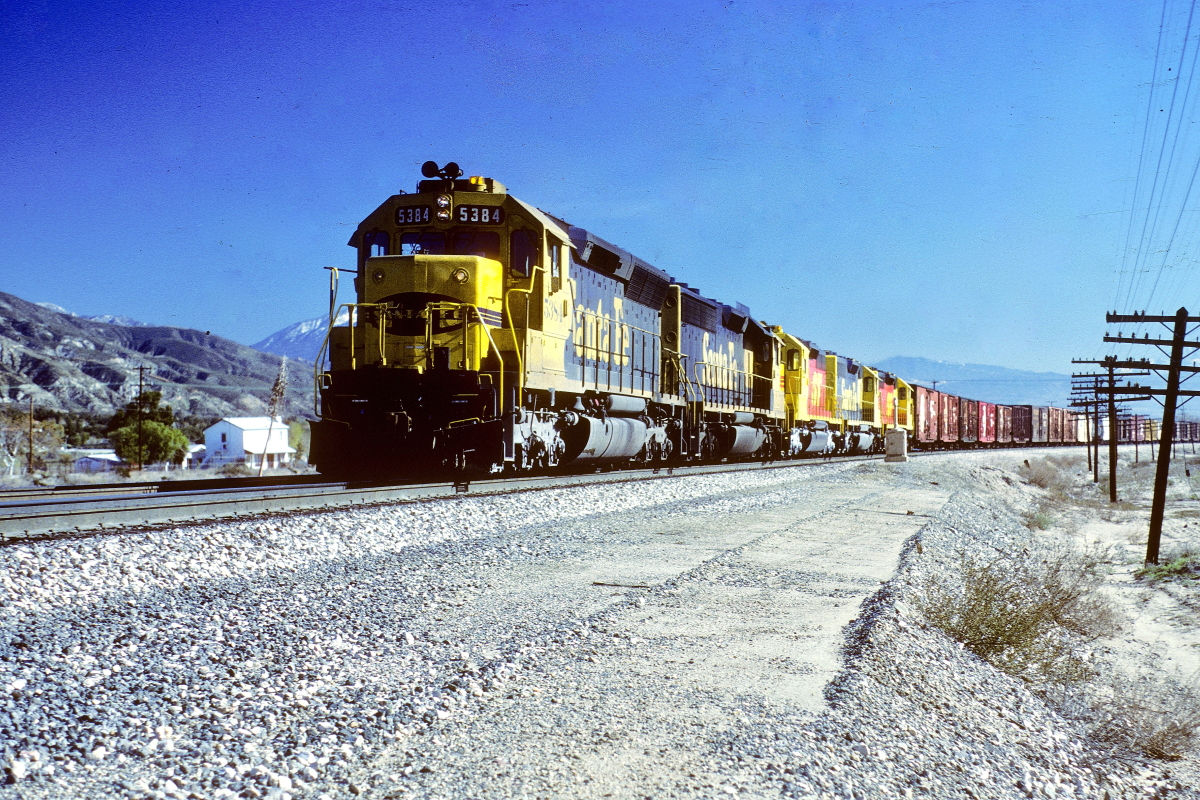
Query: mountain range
[[115, 319], [983, 382], [66, 362], [69, 362], [302, 340]]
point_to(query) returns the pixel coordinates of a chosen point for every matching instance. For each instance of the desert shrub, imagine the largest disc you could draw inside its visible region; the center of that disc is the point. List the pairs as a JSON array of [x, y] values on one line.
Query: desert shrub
[[235, 469], [1066, 461], [1158, 717], [1043, 473], [1025, 615], [1040, 520]]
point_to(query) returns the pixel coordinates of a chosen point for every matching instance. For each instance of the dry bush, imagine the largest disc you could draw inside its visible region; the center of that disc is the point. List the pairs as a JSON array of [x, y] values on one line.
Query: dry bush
[[1154, 717], [1044, 474], [1027, 615], [1066, 461]]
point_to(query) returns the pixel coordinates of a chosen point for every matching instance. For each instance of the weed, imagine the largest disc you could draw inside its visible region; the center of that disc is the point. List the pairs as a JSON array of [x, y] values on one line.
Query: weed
[[1026, 615], [1182, 565], [1043, 474], [1065, 462], [1154, 717], [1040, 521]]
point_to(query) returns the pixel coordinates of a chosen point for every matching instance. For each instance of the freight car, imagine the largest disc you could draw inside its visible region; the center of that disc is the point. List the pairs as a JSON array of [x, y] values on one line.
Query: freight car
[[487, 335]]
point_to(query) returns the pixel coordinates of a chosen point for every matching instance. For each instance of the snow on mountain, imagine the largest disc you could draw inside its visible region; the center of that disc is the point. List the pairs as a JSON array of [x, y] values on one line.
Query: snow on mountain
[[117, 319], [111, 319], [302, 340]]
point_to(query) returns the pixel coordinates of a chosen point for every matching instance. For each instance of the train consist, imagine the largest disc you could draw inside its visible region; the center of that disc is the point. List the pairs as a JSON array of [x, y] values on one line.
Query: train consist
[[490, 336]]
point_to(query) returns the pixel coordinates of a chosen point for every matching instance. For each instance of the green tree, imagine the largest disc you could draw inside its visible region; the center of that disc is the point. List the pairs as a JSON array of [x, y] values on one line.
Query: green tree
[[151, 411], [298, 437], [159, 443]]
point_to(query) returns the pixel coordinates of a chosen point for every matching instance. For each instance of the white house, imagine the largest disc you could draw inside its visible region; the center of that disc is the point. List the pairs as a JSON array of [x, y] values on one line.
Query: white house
[[247, 440], [95, 461], [195, 457]]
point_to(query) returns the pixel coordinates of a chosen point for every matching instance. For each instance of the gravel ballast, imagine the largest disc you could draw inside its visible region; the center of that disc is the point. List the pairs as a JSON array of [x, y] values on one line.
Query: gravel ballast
[[623, 640]]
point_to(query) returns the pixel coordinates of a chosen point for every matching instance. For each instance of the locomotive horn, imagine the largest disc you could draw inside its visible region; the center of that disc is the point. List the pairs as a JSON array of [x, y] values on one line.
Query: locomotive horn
[[452, 170], [429, 169]]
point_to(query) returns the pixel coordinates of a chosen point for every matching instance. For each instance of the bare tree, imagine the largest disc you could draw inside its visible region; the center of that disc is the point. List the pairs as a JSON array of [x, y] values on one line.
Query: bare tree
[[278, 390]]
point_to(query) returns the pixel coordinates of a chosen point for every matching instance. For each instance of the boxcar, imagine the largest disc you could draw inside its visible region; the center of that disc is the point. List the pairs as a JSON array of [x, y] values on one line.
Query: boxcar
[[1041, 425], [987, 423], [1083, 427], [1056, 428], [927, 429], [948, 419], [968, 421], [1022, 424], [1004, 424]]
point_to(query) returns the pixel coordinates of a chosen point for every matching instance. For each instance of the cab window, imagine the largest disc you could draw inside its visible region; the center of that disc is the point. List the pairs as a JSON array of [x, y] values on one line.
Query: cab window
[[477, 243], [793, 360], [554, 254], [415, 244], [522, 252], [376, 243]]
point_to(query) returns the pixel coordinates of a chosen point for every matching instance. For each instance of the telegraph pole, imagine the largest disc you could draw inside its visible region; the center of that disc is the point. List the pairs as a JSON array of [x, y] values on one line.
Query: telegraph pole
[[1079, 399], [1163, 468], [1110, 364], [1178, 324], [1112, 433], [1096, 438], [31, 434], [141, 376]]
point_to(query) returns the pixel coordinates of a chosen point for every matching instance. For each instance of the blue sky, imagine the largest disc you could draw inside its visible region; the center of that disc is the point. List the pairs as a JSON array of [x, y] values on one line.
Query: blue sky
[[950, 180]]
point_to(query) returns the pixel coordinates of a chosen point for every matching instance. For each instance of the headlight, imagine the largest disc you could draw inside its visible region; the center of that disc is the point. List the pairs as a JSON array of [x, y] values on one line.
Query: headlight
[[378, 276], [460, 275], [443, 215], [443, 201]]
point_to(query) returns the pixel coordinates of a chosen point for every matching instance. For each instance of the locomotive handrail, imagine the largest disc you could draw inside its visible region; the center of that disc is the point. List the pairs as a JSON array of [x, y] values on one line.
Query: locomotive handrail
[[317, 371], [625, 328], [477, 319], [528, 292], [677, 357], [746, 380], [351, 309]]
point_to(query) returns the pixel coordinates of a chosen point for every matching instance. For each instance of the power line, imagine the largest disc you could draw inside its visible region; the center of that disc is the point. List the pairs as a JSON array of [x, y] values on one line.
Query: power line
[[1162, 23]]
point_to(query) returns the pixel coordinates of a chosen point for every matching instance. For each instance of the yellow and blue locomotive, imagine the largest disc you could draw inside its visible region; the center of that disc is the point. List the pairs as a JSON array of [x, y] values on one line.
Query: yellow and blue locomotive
[[490, 336]]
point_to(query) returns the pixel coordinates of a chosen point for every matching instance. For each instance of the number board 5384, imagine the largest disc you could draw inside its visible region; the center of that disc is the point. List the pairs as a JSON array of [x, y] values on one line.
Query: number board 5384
[[480, 215]]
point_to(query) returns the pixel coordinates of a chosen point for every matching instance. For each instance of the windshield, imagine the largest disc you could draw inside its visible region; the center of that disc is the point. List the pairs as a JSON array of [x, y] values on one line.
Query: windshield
[[462, 243]]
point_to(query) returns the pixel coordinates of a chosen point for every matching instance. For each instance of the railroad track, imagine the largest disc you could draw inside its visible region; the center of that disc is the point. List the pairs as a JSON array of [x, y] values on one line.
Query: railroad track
[[41, 513], [152, 487]]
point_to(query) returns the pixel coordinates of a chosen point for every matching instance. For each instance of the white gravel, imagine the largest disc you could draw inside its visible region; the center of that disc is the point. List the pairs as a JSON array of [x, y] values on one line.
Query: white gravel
[[241, 658], [329, 654]]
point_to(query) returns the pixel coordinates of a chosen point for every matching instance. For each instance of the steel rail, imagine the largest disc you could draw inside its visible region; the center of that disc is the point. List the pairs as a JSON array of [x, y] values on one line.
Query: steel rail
[[151, 487], [46, 516]]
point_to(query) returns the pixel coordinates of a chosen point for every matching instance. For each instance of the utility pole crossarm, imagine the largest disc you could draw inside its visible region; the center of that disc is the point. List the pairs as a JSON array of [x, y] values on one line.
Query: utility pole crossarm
[[1135, 389], [1147, 365], [1145, 318], [1135, 340]]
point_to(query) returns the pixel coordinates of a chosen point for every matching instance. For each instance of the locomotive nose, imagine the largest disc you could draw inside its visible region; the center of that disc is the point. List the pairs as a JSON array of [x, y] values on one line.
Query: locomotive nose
[[465, 279]]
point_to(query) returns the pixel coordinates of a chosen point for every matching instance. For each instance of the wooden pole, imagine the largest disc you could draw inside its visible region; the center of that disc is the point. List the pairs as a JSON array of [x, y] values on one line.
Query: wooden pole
[[141, 374], [31, 435], [1112, 435], [1162, 471]]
